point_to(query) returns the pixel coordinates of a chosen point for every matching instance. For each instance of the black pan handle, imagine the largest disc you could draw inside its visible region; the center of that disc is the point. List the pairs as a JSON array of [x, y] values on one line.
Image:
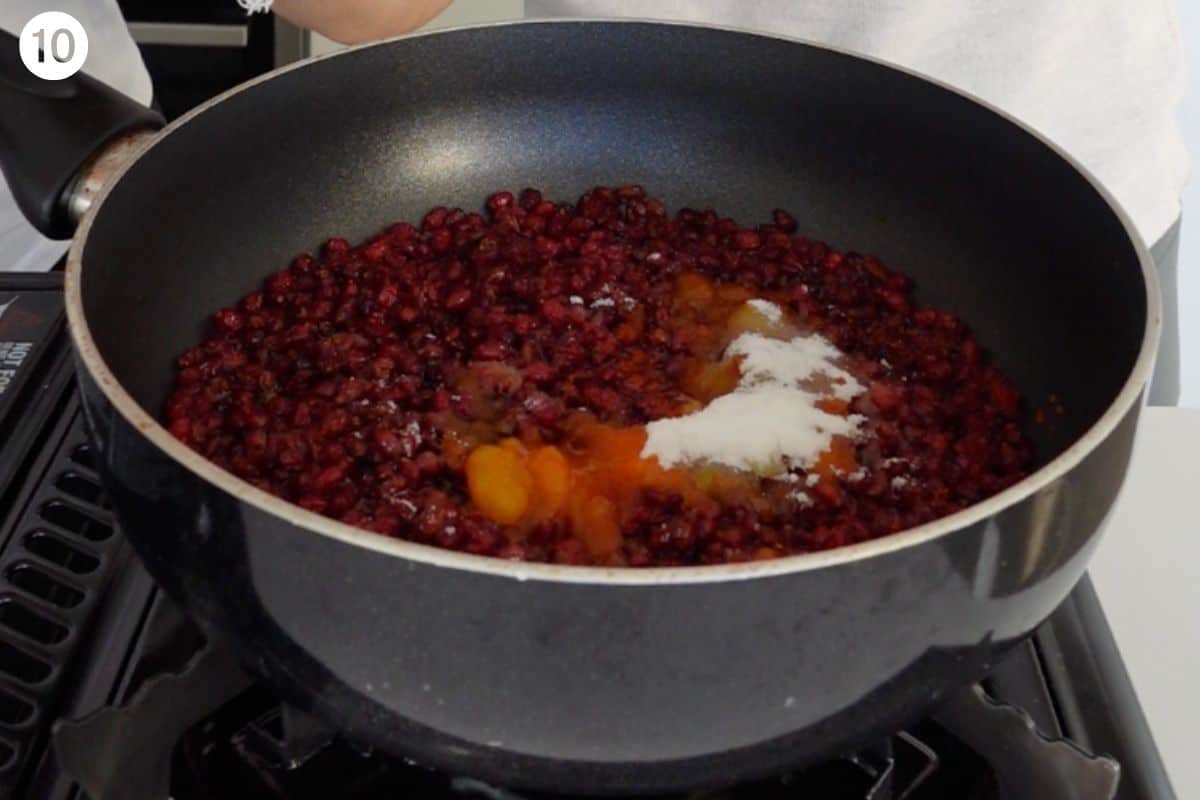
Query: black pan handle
[[50, 129]]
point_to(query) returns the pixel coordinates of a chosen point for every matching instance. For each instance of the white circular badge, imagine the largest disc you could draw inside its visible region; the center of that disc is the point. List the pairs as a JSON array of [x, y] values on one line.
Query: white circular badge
[[53, 45]]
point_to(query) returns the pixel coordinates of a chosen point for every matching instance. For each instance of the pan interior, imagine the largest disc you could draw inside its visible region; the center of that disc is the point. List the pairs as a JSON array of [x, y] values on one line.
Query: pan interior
[[989, 221]]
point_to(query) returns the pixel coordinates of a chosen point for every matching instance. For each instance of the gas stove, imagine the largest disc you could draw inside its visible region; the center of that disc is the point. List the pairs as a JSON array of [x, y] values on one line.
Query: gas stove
[[108, 691]]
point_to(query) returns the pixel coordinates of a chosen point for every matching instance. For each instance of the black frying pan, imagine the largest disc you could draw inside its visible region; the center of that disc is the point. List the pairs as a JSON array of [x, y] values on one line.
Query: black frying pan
[[588, 679]]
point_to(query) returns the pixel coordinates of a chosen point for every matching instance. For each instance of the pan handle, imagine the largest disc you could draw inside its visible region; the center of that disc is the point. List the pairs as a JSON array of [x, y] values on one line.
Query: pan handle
[[50, 130]]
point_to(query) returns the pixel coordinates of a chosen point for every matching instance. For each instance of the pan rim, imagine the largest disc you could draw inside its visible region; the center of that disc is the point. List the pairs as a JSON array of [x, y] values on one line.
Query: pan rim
[[428, 555]]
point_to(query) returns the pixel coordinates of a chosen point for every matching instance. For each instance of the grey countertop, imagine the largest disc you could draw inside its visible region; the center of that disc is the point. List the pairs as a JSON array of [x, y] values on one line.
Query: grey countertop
[[1147, 573]]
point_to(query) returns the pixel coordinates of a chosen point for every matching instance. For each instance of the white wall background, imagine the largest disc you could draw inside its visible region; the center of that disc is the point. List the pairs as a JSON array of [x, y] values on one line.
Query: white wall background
[[472, 11], [1189, 252]]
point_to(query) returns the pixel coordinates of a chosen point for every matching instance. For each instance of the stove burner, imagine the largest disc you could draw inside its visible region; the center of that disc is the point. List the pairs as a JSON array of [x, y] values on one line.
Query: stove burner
[[165, 741], [901, 768], [245, 749], [283, 739], [198, 728]]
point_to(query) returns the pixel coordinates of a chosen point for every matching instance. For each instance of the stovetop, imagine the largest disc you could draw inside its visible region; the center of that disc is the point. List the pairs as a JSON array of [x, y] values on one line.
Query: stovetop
[[105, 684]]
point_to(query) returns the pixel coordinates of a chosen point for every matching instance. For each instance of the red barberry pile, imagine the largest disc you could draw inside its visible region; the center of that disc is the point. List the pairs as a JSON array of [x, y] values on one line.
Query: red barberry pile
[[355, 383]]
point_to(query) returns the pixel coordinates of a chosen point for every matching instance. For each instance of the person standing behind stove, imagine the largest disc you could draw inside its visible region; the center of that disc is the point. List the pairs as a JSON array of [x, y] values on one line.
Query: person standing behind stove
[[1103, 79]]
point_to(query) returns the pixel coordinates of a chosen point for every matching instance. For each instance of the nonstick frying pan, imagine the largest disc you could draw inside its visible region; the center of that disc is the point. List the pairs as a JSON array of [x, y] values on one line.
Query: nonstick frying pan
[[588, 679]]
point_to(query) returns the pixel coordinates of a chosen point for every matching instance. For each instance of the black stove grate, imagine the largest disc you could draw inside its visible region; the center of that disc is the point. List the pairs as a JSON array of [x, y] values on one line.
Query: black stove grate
[[59, 552], [244, 750], [194, 727]]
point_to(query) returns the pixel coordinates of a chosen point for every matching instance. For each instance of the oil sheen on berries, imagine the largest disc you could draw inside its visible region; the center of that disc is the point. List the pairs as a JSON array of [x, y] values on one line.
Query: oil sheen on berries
[[601, 382]]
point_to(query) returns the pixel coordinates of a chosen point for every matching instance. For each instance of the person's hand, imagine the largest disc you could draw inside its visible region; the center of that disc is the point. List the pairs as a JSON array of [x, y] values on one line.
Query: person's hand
[[354, 21]]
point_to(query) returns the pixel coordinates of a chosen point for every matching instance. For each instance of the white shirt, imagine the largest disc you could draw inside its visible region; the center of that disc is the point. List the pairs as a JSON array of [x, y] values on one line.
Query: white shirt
[[1103, 79], [113, 58]]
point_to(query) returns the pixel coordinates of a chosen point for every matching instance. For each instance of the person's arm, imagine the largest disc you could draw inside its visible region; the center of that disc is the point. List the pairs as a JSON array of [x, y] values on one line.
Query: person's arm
[[354, 21]]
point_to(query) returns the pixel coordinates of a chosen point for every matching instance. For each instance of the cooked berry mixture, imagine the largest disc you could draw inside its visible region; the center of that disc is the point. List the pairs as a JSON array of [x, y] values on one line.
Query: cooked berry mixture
[[601, 382]]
